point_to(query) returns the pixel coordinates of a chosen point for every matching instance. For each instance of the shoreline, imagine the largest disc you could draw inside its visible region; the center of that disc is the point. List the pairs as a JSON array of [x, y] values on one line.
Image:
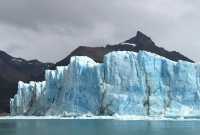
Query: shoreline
[[123, 118]]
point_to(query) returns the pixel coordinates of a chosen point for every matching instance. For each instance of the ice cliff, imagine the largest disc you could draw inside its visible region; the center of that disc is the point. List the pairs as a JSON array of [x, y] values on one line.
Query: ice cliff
[[126, 83]]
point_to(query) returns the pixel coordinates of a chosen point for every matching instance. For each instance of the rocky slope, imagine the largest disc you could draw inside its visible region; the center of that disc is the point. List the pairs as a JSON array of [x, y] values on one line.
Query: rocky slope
[[14, 69]]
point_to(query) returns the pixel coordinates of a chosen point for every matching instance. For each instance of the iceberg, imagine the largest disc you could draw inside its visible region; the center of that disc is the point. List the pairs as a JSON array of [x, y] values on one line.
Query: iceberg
[[125, 84]]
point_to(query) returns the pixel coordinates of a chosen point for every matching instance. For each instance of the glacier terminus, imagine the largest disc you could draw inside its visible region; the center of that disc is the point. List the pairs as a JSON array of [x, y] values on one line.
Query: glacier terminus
[[126, 83]]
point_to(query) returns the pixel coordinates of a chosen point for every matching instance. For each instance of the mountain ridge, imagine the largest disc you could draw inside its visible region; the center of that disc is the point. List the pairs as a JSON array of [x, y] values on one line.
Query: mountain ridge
[[141, 41], [14, 69]]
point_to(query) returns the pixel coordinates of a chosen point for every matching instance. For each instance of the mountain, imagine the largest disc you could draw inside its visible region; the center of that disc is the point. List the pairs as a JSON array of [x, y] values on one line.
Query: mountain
[[135, 44], [14, 69], [126, 83]]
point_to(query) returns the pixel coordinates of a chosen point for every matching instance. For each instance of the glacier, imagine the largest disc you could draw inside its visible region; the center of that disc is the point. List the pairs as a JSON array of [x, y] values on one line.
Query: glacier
[[126, 83]]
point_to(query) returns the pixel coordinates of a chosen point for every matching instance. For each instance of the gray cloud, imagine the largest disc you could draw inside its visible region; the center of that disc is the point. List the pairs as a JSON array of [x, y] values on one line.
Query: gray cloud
[[12, 48], [48, 30]]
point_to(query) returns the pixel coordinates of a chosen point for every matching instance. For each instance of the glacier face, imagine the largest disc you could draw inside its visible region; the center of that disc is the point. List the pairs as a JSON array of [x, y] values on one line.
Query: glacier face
[[126, 83]]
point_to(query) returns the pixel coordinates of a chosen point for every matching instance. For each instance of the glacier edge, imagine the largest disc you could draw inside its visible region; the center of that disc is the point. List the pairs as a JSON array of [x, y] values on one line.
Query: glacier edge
[[126, 83]]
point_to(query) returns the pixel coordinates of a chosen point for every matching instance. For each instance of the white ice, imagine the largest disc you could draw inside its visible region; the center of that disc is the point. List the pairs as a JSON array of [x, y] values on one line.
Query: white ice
[[126, 83]]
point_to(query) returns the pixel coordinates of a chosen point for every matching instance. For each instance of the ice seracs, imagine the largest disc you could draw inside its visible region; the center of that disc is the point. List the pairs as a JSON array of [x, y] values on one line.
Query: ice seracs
[[126, 83]]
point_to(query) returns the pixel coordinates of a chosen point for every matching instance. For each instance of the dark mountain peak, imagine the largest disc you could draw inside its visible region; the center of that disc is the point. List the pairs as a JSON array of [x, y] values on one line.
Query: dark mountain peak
[[141, 40], [141, 36], [137, 43]]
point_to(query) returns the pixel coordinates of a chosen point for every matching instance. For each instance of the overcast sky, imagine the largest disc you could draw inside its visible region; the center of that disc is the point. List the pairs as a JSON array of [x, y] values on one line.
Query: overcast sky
[[49, 29]]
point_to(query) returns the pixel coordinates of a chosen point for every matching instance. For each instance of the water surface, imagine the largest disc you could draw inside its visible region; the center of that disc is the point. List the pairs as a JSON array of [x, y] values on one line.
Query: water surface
[[98, 127]]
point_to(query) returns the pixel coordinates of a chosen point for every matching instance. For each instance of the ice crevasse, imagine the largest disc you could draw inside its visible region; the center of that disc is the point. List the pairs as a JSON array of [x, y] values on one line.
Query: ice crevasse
[[126, 83]]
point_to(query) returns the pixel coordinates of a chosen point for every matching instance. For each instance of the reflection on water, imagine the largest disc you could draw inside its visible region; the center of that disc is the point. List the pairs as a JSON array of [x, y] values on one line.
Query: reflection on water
[[7, 128], [98, 127]]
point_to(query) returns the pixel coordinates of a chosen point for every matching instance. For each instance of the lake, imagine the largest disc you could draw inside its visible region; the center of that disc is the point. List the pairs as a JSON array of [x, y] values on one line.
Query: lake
[[98, 127]]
